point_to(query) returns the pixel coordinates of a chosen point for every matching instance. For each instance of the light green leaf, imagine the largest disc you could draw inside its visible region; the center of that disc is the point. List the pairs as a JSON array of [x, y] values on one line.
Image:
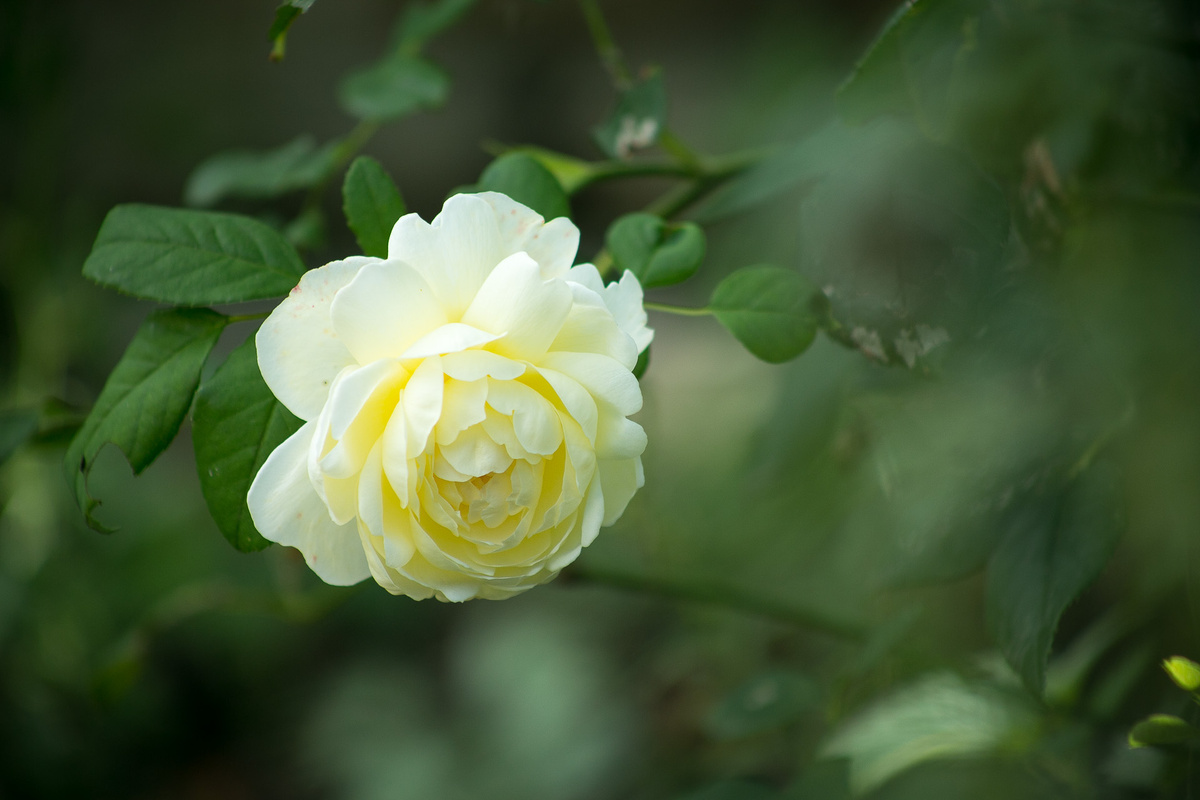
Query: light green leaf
[[423, 21], [191, 258], [1053, 547], [16, 428], [770, 310], [372, 204], [767, 701], [525, 180], [1158, 730], [298, 164], [1185, 672], [236, 425], [146, 397], [942, 716], [658, 253], [285, 15], [571, 173], [398, 84], [637, 120]]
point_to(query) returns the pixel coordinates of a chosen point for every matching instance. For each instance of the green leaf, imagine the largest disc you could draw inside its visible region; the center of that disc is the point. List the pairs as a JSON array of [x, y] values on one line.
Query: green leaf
[[1053, 547], [767, 701], [372, 204], [910, 69], [1158, 730], [770, 310], [299, 164], [942, 716], [658, 253], [191, 258], [643, 362], [571, 173], [398, 84], [285, 15], [637, 120], [525, 180], [146, 397], [1184, 672], [236, 425], [16, 428], [422, 21]]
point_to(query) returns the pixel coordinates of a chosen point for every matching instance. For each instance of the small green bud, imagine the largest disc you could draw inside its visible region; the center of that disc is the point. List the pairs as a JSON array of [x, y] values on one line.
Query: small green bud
[[1185, 673]]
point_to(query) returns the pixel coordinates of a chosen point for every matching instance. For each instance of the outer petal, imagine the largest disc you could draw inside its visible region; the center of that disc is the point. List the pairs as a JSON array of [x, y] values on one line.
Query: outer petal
[[516, 301], [624, 300], [299, 352], [286, 509], [468, 240], [551, 244], [383, 310]]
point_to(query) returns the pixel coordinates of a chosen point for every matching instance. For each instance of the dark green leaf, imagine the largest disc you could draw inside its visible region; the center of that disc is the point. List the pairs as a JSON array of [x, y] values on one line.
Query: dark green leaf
[[372, 204], [658, 253], [146, 397], [236, 425], [397, 85], [299, 164], [636, 121], [525, 180], [767, 701], [571, 173], [643, 362], [769, 310], [423, 21], [1053, 547], [191, 258], [16, 428], [1162, 729], [910, 68]]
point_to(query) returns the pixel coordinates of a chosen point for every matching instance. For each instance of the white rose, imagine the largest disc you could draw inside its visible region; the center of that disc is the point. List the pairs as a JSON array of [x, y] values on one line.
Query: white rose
[[466, 405]]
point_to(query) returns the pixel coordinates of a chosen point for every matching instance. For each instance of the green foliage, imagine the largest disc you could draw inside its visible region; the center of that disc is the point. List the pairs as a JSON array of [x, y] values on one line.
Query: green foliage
[[299, 164], [637, 120], [1184, 672], [17, 426], [191, 258], [767, 701], [658, 253], [285, 15], [236, 425], [1053, 547], [397, 85], [770, 310], [422, 21], [524, 179], [146, 397], [1162, 730], [372, 204]]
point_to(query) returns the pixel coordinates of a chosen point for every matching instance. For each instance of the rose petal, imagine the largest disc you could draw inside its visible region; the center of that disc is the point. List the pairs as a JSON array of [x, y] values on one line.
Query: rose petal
[[552, 245], [383, 310], [515, 300]]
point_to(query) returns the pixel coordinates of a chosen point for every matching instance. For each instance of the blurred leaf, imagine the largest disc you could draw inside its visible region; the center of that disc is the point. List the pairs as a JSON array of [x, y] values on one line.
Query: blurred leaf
[[636, 121], [1052, 549], [571, 173], [643, 362], [769, 310], [17, 426], [734, 789], [1158, 730], [191, 257], [298, 164], [524, 179], [769, 700], [236, 425], [1184, 672], [285, 15], [658, 253], [941, 716], [423, 21], [396, 85], [372, 204], [307, 230], [146, 397], [828, 779], [910, 68]]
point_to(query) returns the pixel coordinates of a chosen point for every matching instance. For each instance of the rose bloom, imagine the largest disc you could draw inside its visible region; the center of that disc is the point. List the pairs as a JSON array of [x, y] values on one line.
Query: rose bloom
[[465, 405]]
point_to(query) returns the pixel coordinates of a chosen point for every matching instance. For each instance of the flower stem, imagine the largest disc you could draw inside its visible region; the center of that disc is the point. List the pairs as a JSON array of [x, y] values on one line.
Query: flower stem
[[680, 310], [606, 46]]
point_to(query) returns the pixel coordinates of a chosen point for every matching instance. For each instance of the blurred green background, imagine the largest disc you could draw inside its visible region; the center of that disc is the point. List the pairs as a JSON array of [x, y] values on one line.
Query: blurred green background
[[799, 602]]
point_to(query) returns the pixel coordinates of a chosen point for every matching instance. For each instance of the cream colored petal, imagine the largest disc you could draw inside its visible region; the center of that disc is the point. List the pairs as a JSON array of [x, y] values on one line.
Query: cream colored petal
[[299, 352], [619, 480], [552, 245], [590, 328], [535, 420], [577, 401], [360, 406], [476, 454], [471, 365], [422, 399], [605, 379], [286, 509], [619, 438], [516, 301], [625, 300], [452, 338], [468, 239], [383, 310], [462, 407]]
